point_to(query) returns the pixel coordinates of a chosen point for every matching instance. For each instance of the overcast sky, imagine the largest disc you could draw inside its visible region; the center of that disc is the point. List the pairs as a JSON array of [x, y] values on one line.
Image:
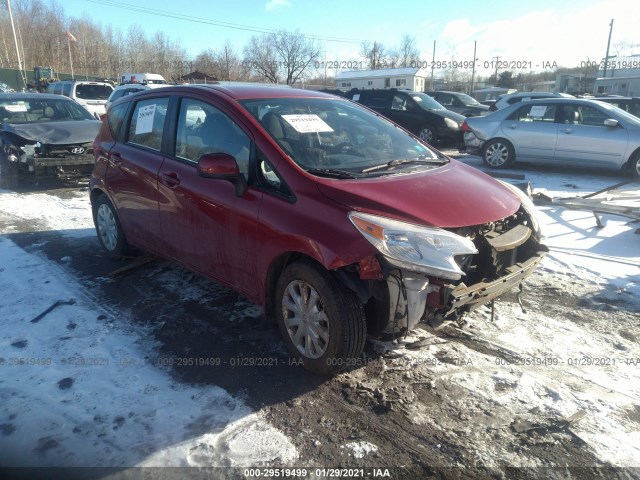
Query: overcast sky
[[533, 33]]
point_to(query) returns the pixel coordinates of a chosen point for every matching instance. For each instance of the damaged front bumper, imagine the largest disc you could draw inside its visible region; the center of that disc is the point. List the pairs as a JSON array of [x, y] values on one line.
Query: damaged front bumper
[[414, 297], [466, 299]]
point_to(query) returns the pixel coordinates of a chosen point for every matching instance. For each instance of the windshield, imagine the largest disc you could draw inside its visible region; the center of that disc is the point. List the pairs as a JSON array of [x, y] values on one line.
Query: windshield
[[93, 91], [29, 110], [335, 135], [468, 100], [426, 102]]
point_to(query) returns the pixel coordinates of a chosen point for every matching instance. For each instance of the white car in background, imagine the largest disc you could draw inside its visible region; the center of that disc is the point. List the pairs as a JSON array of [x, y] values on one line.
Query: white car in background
[[511, 98], [129, 88]]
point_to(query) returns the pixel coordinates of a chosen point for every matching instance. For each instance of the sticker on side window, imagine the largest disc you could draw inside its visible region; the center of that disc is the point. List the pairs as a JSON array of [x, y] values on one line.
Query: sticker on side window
[[537, 111], [15, 108], [307, 123], [144, 122]]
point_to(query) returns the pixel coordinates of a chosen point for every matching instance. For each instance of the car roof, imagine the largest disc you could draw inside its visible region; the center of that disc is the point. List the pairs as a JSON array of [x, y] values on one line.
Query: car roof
[[244, 91], [33, 96], [558, 100]]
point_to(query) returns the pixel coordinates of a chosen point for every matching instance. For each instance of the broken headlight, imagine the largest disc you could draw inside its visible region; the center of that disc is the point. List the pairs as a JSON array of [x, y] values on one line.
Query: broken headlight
[[416, 248], [529, 208]]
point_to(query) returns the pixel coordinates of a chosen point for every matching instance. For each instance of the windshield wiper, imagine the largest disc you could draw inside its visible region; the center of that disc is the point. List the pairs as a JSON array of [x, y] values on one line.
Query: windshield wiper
[[330, 172], [403, 161]]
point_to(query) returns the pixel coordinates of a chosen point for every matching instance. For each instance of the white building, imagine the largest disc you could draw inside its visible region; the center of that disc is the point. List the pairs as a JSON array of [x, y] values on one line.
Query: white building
[[403, 78], [622, 77]]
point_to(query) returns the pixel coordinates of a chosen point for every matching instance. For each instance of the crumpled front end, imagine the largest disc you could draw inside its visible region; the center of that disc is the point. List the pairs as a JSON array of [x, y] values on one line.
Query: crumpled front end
[[30, 156], [436, 275]]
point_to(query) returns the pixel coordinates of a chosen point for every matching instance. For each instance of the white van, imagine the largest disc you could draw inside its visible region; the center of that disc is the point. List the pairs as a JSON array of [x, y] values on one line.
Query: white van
[[142, 78], [91, 95]]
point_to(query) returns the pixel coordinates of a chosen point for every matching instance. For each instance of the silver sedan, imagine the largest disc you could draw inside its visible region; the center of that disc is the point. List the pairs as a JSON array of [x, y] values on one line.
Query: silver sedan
[[557, 131]]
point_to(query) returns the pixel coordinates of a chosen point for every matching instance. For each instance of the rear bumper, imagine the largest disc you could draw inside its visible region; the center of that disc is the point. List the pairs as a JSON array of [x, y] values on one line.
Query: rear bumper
[[467, 299]]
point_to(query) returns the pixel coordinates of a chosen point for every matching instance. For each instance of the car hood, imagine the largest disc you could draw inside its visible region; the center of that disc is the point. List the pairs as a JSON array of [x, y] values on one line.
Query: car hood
[[56, 133], [451, 196], [450, 114]]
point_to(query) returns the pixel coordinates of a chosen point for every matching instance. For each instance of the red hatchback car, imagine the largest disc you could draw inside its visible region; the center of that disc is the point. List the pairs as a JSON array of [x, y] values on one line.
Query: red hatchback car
[[336, 221]]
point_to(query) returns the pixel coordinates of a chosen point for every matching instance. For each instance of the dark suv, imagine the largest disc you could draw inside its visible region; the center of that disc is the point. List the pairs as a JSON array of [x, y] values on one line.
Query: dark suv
[[414, 111]]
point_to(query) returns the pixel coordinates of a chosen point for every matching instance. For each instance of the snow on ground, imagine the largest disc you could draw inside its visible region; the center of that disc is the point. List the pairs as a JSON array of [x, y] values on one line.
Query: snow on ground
[[82, 387], [549, 367]]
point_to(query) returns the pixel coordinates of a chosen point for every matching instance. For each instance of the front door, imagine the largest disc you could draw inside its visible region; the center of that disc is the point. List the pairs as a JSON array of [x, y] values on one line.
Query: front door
[[203, 223]]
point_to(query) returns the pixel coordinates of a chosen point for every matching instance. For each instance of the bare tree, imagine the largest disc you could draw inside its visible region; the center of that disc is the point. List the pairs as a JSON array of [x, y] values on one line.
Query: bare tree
[[281, 56], [375, 55], [408, 53]]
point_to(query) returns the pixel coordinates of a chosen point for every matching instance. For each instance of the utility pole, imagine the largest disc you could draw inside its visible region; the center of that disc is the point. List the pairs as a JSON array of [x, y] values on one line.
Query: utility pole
[[433, 63], [606, 57], [497, 59], [473, 70]]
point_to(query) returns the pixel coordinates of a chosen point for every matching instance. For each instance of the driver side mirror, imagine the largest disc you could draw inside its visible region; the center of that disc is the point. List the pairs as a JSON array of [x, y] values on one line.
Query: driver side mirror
[[610, 122], [222, 166]]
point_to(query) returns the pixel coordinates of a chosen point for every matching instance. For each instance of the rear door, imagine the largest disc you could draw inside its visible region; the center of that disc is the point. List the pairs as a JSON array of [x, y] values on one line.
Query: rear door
[[132, 172], [203, 223], [533, 131]]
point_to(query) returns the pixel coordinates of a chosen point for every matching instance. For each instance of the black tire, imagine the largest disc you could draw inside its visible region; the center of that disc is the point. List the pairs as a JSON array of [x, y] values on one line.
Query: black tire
[[428, 133], [8, 173], [634, 165], [498, 153], [110, 233], [335, 318]]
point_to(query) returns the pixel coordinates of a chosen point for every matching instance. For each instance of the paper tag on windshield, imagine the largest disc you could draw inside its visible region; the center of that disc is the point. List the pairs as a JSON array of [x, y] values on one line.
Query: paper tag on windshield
[[15, 108], [307, 123], [144, 122]]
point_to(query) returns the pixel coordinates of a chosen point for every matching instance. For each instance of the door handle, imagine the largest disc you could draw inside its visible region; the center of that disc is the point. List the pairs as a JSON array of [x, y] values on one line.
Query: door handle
[[115, 159], [171, 180], [568, 131], [513, 126]]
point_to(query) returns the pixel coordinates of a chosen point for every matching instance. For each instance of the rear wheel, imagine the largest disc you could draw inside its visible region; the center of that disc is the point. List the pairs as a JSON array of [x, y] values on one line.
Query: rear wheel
[[108, 228], [498, 153], [321, 321]]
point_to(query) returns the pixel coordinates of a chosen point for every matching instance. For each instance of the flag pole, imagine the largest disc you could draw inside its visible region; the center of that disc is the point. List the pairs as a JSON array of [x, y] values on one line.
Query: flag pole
[[70, 60]]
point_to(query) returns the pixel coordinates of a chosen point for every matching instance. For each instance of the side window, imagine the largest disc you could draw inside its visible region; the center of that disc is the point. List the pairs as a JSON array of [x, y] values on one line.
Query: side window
[[66, 89], [202, 128], [115, 118], [399, 103], [58, 89], [581, 115], [534, 113], [445, 100], [147, 123]]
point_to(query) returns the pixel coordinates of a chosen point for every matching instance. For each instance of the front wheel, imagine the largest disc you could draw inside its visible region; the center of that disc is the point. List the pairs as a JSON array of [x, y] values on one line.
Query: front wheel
[[108, 228], [322, 322], [498, 153], [428, 134]]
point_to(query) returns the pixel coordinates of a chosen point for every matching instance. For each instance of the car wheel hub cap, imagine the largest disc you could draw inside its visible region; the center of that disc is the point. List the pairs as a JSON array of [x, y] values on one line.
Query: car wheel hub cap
[[497, 154], [305, 319], [107, 227]]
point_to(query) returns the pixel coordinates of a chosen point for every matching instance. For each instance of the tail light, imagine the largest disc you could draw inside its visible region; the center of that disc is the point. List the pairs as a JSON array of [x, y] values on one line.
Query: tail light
[[465, 127]]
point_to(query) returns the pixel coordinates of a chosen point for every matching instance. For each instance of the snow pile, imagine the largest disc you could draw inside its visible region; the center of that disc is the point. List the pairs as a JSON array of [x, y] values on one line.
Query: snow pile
[[80, 387]]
